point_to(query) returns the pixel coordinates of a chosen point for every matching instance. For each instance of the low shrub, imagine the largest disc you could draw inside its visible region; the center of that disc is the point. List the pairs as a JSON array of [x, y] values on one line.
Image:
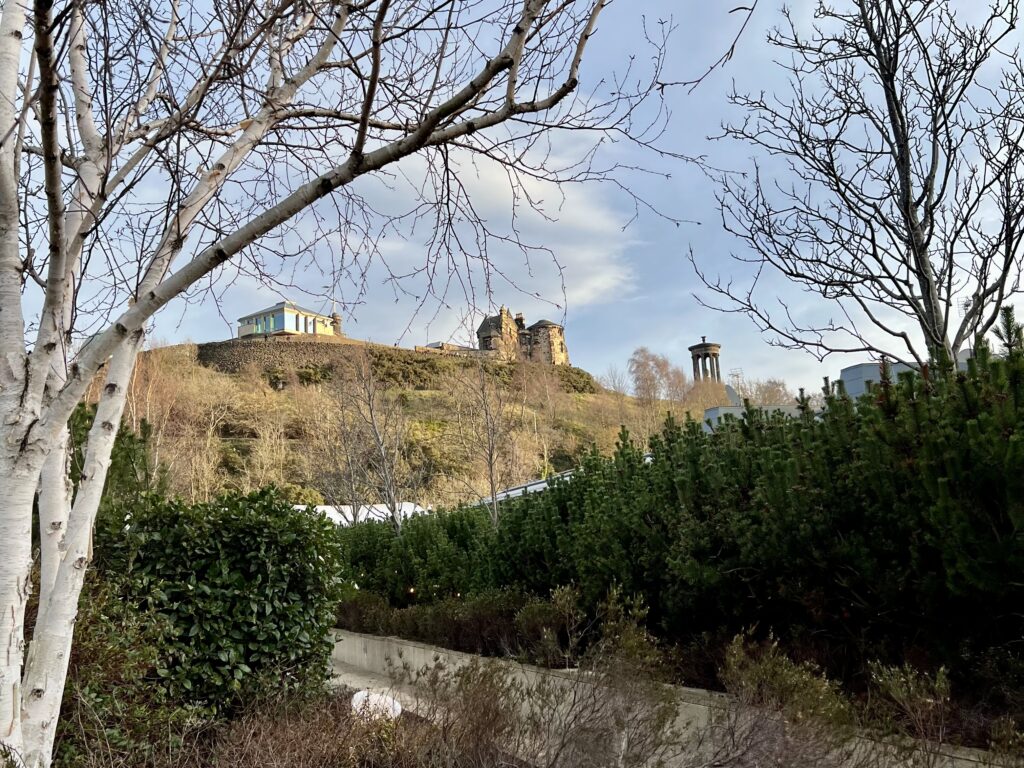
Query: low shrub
[[316, 732], [492, 622], [482, 623], [115, 709], [246, 588]]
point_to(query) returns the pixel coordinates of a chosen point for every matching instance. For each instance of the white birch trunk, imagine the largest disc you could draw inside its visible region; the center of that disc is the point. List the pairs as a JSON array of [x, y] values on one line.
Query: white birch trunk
[[19, 465], [54, 509], [15, 587], [46, 667]]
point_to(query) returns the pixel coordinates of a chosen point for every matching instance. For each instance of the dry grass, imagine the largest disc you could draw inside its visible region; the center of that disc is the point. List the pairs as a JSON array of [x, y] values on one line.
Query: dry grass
[[613, 712]]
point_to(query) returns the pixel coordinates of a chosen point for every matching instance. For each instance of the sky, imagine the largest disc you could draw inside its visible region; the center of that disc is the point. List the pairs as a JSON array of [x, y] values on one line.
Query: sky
[[625, 281]]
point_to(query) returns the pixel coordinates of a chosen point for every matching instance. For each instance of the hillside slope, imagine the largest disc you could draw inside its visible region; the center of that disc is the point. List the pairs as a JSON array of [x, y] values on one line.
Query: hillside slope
[[445, 426]]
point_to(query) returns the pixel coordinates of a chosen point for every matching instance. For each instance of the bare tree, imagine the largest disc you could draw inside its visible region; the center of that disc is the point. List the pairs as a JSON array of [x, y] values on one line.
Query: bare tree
[[195, 134], [382, 453], [484, 420], [615, 380], [337, 465], [763, 391], [890, 181]]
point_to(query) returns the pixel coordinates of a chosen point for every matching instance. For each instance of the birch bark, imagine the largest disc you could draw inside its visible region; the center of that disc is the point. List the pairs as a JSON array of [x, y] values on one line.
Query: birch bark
[[88, 164]]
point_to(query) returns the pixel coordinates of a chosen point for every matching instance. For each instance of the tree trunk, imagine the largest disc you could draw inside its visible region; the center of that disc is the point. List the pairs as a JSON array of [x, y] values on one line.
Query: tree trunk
[[15, 587], [54, 510], [47, 663]]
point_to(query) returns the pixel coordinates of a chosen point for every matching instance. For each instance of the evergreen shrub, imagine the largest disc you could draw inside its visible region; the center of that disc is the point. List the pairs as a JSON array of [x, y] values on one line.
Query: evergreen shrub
[[888, 528], [246, 586]]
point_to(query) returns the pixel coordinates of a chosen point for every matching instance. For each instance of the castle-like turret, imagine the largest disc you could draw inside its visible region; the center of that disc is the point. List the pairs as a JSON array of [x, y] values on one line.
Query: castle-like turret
[[511, 339]]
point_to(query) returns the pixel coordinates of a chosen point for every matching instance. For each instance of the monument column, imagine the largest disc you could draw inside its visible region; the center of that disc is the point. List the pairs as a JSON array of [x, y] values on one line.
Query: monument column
[[706, 363]]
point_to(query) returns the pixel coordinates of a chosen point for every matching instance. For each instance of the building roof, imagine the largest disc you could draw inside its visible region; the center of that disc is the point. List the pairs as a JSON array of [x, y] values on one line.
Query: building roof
[[707, 346], [283, 305], [544, 324], [490, 325]]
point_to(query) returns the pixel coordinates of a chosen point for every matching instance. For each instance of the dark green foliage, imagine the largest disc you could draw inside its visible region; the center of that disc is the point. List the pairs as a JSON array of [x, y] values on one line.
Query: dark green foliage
[[313, 374], [246, 585], [436, 556], [493, 622], [576, 380], [887, 529], [113, 701], [481, 623], [132, 469]]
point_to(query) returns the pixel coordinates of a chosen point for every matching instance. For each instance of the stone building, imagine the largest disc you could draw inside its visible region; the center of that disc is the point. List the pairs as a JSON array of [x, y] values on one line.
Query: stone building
[[706, 363], [509, 338]]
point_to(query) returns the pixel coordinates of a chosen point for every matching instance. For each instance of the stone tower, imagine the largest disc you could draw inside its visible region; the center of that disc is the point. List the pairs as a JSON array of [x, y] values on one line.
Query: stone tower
[[547, 343], [511, 339], [706, 365]]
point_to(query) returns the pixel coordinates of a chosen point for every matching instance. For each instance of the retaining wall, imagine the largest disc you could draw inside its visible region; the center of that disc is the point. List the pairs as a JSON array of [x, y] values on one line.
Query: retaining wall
[[382, 656], [285, 352]]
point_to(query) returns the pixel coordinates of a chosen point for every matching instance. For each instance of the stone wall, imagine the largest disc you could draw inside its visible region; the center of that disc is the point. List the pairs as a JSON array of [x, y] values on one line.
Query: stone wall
[[277, 352]]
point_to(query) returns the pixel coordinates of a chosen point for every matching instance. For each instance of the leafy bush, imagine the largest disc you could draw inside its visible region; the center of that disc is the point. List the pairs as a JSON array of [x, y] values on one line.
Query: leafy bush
[[436, 556], [247, 588], [764, 676], [888, 529], [483, 623], [114, 703]]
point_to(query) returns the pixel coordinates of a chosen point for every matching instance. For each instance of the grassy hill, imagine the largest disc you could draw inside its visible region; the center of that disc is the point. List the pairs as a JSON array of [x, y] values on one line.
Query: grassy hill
[[301, 423]]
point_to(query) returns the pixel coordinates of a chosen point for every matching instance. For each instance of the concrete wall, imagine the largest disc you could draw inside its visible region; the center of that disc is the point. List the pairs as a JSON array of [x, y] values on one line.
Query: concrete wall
[[379, 657]]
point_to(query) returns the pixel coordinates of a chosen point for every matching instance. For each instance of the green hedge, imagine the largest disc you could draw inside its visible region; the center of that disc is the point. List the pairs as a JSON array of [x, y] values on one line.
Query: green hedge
[[246, 586], [891, 528]]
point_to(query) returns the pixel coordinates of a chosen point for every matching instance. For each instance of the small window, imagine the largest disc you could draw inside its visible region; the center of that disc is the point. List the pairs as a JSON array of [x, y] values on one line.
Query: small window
[[297, 323]]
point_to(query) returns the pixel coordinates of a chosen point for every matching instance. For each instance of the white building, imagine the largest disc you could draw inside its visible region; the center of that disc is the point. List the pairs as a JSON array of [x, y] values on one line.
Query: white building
[[856, 378], [343, 515], [288, 319]]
